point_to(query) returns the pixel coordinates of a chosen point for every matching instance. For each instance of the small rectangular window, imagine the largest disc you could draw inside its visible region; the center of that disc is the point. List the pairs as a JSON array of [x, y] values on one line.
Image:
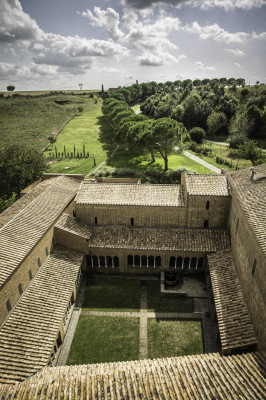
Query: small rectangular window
[[8, 305], [39, 262], [132, 221], [207, 205], [206, 223], [20, 289], [46, 251], [237, 224], [30, 274], [95, 220], [254, 266]]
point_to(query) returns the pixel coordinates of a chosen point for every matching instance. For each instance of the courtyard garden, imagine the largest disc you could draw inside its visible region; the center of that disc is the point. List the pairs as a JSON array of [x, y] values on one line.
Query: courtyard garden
[[111, 321]]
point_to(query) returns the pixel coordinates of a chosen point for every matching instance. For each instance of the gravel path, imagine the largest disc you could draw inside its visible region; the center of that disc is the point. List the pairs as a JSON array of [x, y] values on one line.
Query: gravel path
[[202, 162]]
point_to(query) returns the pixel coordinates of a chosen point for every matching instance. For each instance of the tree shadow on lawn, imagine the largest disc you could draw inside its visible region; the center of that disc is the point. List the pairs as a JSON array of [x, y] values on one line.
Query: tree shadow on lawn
[[106, 135], [135, 161]]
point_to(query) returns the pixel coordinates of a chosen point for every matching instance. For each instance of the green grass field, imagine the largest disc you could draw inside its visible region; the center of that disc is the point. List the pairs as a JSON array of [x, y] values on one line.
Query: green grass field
[[142, 163], [104, 339], [166, 304], [173, 338], [32, 120], [88, 128], [112, 295]]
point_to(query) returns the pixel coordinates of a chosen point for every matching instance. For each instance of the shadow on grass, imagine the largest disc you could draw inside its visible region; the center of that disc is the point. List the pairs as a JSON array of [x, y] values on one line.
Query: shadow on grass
[[106, 135], [157, 304], [112, 295]]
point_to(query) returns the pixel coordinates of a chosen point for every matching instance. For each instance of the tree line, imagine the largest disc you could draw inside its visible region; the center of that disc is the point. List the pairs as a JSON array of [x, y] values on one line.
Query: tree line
[[180, 112]]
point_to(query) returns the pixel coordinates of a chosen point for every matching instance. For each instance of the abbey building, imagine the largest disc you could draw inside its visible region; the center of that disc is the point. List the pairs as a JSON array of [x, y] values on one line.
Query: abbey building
[[214, 225]]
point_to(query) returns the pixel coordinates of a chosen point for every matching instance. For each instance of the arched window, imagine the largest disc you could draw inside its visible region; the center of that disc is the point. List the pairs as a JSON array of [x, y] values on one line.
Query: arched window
[[186, 262], [30, 274], [158, 261], [130, 260], [207, 205], [102, 261], [109, 261], [193, 263], [201, 262], [151, 261], [172, 262], [116, 262], [137, 261], [206, 223], [95, 261], [144, 261], [179, 262]]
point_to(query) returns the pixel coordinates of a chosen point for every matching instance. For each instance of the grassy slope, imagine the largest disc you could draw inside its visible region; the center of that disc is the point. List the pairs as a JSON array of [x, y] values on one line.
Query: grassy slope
[[32, 120], [104, 339]]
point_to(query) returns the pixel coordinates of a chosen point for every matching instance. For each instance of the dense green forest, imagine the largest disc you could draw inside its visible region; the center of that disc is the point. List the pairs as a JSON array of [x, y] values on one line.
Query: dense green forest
[[183, 113]]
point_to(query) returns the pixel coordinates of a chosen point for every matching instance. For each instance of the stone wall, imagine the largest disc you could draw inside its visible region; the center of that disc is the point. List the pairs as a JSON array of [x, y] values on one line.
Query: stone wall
[[192, 216], [27, 269], [122, 215], [251, 267], [22, 275], [214, 209]]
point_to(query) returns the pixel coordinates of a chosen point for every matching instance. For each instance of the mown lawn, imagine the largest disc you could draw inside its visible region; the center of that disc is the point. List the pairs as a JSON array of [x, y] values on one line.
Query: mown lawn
[[142, 163], [112, 295], [166, 304], [174, 338], [90, 129], [104, 339]]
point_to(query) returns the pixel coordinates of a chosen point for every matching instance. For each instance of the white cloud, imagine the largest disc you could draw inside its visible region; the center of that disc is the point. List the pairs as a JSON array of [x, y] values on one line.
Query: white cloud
[[152, 38], [108, 19], [151, 60], [235, 52], [228, 4], [74, 54], [201, 67], [237, 65], [259, 36], [15, 24], [216, 33], [203, 4]]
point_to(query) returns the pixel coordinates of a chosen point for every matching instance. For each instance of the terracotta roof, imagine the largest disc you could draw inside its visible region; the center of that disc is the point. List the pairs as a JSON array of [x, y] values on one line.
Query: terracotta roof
[[198, 377], [122, 237], [207, 185], [28, 335], [252, 198], [131, 194], [19, 236], [236, 329], [25, 200], [73, 225]]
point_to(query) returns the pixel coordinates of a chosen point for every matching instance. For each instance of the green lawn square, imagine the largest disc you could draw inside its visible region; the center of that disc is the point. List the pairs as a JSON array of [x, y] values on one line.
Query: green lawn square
[[112, 295], [104, 339], [173, 338], [157, 303]]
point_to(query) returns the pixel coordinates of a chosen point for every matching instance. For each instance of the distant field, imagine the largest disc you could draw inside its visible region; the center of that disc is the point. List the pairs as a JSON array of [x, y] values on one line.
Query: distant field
[[31, 120]]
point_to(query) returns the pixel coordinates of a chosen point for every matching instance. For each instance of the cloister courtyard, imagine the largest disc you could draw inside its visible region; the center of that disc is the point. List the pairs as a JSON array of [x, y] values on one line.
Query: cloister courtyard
[[123, 319]]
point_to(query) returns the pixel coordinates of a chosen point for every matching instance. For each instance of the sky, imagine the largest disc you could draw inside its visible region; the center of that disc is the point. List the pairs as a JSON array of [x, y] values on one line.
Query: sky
[[58, 44]]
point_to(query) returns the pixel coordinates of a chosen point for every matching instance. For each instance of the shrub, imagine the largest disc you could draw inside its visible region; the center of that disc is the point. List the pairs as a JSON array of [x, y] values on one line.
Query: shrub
[[197, 134]]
